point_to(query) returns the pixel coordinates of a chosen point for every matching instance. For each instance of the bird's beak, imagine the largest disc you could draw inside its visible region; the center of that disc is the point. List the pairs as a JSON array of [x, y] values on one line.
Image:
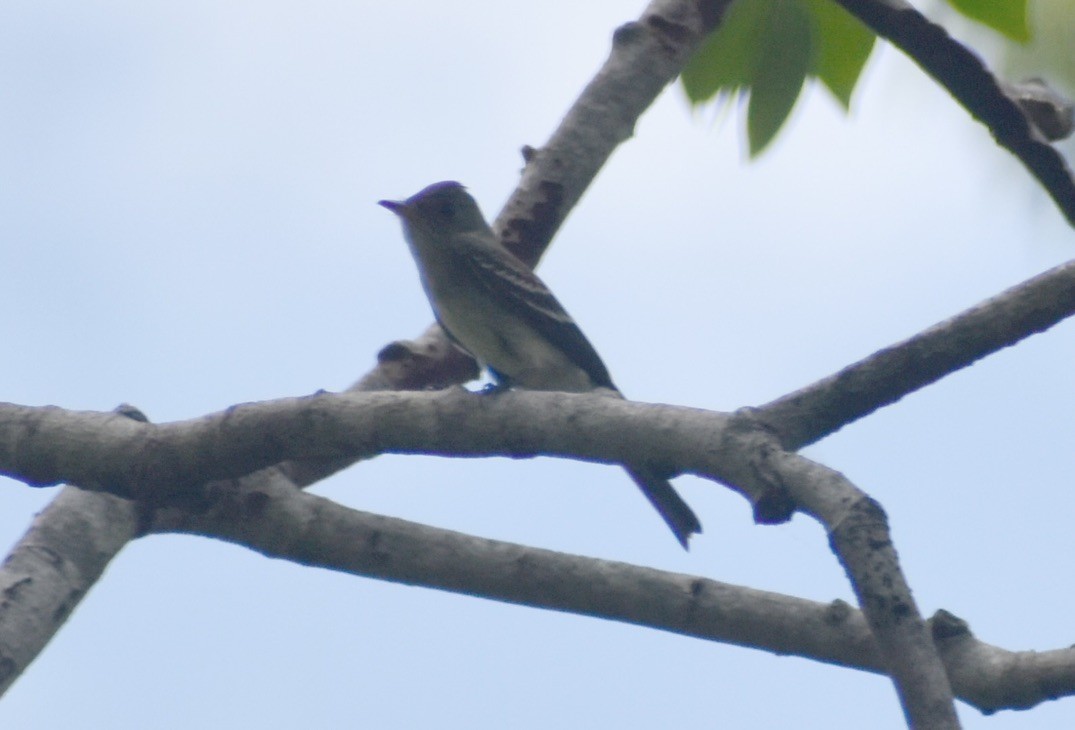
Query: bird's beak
[[399, 207]]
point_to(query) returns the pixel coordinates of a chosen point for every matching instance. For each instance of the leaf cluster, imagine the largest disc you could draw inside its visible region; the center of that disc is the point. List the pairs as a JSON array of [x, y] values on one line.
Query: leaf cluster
[[766, 50]]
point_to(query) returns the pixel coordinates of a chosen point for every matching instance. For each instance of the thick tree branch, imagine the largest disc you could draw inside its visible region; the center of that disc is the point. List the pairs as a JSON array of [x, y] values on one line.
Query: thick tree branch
[[859, 535], [152, 462], [810, 414], [47, 445], [53, 566], [964, 75]]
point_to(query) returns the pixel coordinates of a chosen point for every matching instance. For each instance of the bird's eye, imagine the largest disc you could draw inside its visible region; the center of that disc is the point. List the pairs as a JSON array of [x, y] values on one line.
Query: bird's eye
[[447, 210]]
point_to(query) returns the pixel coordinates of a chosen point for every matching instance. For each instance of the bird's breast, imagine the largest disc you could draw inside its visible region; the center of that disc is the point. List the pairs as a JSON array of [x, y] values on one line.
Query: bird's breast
[[507, 344]]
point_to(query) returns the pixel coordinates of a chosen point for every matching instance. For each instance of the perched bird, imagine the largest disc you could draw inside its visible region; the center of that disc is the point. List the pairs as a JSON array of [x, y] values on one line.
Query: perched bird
[[493, 306]]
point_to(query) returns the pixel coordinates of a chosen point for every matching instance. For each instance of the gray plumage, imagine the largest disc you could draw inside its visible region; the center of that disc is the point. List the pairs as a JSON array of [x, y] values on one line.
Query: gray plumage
[[493, 306]]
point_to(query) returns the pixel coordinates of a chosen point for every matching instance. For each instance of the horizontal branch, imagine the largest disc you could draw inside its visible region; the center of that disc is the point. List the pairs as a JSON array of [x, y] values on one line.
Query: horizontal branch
[[102, 451], [151, 462]]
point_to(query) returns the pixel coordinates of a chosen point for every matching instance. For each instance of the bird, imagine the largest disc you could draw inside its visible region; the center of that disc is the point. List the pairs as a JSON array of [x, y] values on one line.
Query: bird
[[493, 306]]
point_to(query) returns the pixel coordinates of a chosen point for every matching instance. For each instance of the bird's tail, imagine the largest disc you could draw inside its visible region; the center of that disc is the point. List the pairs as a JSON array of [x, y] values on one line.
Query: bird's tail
[[664, 498]]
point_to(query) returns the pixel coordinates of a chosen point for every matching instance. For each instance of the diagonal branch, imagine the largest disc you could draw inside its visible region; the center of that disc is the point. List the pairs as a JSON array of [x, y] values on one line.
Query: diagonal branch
[[818, 410], [964, 75], [647, 55], [54, 565], [339, 538], [859, 535]]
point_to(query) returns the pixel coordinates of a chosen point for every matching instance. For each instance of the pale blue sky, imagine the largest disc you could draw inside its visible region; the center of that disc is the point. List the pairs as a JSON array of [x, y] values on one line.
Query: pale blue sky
[[188, 218]]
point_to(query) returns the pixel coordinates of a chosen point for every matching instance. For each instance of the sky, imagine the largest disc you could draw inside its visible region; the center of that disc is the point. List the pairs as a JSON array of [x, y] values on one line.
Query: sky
[[188, 221]]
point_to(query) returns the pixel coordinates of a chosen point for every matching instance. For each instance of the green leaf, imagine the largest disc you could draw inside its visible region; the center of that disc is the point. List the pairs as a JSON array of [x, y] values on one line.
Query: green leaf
[[725, 61], [843, 45], [785, 53], [1006, 16], [767, 48]]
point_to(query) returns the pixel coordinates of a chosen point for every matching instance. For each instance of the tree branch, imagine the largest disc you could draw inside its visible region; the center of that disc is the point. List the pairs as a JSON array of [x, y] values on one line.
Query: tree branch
[[859, 536], [818, 410], [964, 75], [261, 513], [53, 566], [647, 55], [152, 462]]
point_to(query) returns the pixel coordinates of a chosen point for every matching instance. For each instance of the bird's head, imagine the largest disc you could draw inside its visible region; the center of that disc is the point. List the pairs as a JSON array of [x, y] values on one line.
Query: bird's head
[[444, 207]]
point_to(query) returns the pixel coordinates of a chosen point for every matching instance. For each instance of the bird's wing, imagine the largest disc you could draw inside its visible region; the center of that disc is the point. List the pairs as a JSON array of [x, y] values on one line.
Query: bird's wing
[[508, 280]]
